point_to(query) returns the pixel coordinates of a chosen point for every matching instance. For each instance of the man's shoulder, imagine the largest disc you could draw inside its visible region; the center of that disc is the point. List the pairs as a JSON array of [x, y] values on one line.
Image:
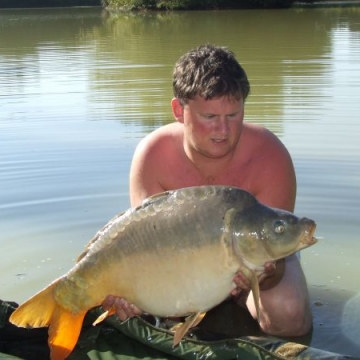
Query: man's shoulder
[[259, 136], [165, 132], [262, 144], [257, 130], [164, 137]]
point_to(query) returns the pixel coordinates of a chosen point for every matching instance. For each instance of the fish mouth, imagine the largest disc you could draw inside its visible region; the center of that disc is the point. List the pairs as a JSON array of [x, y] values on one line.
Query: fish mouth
[[308, 237]]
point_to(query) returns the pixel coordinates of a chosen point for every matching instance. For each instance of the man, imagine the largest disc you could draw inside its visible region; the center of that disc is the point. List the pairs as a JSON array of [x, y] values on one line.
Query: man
[[211, 144]]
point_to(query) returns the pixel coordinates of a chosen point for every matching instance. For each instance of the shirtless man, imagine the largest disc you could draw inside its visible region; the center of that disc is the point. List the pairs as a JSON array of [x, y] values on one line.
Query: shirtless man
[[211, 144]]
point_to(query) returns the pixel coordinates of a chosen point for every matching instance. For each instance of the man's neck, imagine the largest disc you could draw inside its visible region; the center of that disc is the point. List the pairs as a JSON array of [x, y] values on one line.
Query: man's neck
[[210, 168]]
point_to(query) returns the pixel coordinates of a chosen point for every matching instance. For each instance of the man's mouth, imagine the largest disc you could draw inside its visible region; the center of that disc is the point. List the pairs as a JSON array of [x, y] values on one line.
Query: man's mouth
[[219, 140]]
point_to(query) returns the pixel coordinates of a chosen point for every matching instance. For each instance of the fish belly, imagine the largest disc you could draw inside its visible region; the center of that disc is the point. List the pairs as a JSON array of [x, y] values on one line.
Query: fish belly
[[176, 284]]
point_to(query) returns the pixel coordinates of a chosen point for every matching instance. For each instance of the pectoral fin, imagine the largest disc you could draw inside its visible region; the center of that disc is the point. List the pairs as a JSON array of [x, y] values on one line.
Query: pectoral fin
[[104, 315], [255, 291], [182, 329]]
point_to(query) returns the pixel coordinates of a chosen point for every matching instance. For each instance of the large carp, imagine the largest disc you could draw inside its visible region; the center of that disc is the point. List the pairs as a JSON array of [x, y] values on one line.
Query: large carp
[[175, 255]]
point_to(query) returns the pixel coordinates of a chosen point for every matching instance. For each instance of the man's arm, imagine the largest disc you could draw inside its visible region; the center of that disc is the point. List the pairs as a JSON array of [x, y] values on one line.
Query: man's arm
[[146, 167], [276, 181]]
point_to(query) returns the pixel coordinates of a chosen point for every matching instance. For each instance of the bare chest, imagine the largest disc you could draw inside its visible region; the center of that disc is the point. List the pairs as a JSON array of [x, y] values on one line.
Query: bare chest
[[190, 176]]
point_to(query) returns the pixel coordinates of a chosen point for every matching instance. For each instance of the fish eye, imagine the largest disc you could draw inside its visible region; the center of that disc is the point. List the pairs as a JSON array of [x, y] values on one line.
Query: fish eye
[[279, 226]]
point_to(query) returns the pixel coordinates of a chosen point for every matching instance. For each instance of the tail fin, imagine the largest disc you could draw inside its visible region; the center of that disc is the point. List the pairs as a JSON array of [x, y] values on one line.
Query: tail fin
[[64, 332], [41, 311], [37, 311]]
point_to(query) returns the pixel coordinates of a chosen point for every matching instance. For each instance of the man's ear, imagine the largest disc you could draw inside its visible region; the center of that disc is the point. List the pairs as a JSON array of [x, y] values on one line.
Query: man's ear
[[178, 110]]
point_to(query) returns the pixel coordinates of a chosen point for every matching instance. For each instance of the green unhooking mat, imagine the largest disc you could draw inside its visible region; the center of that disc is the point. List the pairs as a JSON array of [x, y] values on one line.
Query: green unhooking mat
[[137, 338]]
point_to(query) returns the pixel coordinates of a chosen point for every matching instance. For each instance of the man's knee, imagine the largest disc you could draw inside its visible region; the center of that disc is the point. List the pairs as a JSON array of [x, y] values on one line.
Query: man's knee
[[294, 319]]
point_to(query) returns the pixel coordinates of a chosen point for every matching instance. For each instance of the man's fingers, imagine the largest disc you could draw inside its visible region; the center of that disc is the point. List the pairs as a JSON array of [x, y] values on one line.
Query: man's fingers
[[108, 303], [270, 268], [122, 308], [242, 283]]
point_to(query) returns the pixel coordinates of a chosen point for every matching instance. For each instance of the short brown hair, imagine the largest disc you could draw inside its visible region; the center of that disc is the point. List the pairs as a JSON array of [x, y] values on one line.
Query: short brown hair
[[210, 72]]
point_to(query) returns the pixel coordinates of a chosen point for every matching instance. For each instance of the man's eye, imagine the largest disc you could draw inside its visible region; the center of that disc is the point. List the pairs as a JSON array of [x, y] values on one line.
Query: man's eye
[[279, 226]]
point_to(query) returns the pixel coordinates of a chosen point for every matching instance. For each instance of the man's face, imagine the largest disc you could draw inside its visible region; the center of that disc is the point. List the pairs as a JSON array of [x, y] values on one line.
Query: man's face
[[212, 127]]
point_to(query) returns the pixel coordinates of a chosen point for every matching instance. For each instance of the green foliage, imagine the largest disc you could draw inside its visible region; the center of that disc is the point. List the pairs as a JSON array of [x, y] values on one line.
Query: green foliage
[[129, 5], [47, 3], [271, 3], [195, 4]]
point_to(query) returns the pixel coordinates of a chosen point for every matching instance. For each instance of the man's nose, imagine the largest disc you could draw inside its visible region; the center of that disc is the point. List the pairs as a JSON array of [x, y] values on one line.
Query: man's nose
[[222, 125]]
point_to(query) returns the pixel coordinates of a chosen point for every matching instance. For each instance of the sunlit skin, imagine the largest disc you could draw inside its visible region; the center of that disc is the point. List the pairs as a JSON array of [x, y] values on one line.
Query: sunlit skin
[[212, 129], [211, 144]]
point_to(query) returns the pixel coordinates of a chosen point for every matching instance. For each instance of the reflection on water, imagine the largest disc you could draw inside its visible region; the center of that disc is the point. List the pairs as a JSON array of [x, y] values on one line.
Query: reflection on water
[[80, 88]]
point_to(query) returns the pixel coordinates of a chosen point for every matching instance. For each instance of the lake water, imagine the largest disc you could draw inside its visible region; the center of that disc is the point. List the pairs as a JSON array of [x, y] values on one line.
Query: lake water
[[79, 88]]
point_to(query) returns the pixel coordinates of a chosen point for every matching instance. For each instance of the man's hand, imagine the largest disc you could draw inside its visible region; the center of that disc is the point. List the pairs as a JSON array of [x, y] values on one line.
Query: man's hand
[[120, 307], [273, 272]]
